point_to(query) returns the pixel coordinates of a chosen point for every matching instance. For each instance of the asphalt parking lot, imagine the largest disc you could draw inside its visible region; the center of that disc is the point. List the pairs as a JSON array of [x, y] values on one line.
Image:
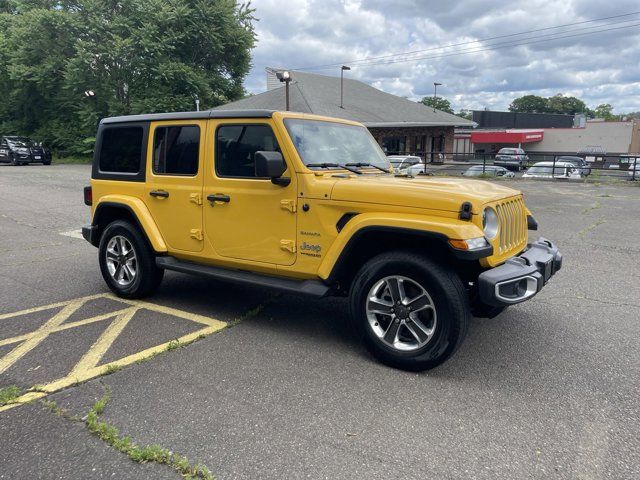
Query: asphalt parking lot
[[275, 387]]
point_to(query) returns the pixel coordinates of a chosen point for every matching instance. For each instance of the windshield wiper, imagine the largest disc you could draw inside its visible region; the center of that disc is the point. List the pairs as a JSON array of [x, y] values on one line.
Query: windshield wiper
[[335, 165], [367, 164]]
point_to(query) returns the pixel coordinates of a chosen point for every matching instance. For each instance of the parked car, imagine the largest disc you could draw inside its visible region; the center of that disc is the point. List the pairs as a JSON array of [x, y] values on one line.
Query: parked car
[[561, 170], [488, 171], [580, 162], [265, 206], [511, 158], [402, 162], [22, 150], [418, 169], [634, 169]]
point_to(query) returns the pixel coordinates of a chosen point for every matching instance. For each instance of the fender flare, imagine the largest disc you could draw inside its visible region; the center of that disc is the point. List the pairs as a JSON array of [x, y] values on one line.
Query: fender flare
[[438, 228], [139, 211]]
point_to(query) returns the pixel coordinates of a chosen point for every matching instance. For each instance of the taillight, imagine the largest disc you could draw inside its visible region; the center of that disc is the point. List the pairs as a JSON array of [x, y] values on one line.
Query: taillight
[[88, 196]]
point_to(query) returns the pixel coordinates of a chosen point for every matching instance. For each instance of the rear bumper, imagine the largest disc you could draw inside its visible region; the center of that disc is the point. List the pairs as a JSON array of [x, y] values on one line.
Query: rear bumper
[[90, 234], [520, 278]]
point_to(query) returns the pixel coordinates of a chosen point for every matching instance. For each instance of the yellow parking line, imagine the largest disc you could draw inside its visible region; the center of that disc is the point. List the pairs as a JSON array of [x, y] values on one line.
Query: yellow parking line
[[100, 347], [38, 336], [87, 367], [65, 326]]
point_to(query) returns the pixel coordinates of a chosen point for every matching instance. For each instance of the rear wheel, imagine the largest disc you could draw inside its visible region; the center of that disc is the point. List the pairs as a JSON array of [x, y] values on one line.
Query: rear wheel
[[127, 262], [410, 312]]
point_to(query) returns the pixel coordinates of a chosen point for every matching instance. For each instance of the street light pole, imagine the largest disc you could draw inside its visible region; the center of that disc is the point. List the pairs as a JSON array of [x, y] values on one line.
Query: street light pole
[[285, 77], [342, 69], [435, 89]]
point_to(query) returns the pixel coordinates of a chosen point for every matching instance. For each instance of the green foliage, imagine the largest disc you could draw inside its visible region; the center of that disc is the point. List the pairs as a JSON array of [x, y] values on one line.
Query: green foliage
[[134, 55], [605, 111], [464, 113], [556, 104], [529, 104], [438, 103], [9, 394]]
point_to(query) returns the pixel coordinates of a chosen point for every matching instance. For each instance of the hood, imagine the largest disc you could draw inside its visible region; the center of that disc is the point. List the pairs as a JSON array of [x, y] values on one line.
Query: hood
[[437, 193]]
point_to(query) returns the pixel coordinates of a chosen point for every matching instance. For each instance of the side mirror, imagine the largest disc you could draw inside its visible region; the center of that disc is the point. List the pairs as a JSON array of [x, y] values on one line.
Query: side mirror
[[271, 165]]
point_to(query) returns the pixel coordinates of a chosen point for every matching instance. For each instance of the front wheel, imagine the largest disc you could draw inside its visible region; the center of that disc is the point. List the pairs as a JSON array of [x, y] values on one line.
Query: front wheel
[[127, 262], [410, 312]]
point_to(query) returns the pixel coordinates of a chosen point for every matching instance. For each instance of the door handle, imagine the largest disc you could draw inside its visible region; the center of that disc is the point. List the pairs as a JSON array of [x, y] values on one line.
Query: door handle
[[219, 197], [159, 193]]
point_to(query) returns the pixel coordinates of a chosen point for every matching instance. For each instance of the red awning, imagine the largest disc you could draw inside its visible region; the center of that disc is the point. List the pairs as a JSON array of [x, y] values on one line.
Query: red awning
[[508, 136]]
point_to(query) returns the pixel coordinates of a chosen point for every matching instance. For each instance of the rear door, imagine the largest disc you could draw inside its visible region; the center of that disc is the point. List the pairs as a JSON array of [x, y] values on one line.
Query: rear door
[[173, 191]]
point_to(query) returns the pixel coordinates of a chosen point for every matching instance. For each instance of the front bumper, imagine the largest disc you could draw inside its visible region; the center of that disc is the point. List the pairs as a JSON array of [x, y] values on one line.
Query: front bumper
[[521, 277]]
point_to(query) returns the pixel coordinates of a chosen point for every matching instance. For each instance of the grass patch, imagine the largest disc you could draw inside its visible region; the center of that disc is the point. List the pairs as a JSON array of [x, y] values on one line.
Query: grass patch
[[173, 345], [140, 454], [112, 369], [9, 394], [71, 160]]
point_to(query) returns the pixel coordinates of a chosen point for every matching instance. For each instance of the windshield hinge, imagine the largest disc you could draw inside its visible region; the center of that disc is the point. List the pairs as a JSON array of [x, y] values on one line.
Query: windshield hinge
[[288, 245], [195, 198], [196, 234], [288, 205]]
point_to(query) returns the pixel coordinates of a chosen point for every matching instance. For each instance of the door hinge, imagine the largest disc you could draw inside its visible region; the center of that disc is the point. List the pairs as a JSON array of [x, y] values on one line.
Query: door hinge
[[196, 234], [195, 198], [288, 205], [288, 245]]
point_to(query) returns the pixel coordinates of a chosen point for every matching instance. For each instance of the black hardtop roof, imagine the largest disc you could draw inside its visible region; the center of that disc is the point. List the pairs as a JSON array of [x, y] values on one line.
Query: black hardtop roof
[[154, 117]]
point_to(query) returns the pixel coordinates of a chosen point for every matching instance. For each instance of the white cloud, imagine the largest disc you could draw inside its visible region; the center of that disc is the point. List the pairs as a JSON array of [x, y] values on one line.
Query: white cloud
[[602, 68]]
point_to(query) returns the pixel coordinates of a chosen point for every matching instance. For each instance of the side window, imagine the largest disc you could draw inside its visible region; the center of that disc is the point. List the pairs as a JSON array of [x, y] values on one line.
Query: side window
[[236, 146], [121, 150], [175, 150]]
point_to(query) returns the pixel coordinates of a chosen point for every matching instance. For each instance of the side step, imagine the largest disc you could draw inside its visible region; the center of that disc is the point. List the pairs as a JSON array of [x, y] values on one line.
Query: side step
[[314, 288]]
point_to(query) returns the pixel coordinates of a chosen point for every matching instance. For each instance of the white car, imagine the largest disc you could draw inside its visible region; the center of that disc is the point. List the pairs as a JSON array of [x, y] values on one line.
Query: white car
[[402, 162], [560, 170], [634, 171], [417, 169]]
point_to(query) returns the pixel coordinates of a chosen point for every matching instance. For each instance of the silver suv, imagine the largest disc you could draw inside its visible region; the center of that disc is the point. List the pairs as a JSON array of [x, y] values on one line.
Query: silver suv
[[511, 158]]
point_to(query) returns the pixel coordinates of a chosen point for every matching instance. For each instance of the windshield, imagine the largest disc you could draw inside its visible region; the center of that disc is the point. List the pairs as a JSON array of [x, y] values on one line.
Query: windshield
[[328, 142], [20, 141], [507, 151]]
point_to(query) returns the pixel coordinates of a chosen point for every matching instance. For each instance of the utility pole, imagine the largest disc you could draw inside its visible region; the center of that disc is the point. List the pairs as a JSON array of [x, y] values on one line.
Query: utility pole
[[435, 89], [342, 69]]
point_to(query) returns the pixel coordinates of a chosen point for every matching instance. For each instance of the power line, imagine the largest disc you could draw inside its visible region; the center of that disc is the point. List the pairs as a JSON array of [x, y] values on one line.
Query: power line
[[368, 59], [495, 46]]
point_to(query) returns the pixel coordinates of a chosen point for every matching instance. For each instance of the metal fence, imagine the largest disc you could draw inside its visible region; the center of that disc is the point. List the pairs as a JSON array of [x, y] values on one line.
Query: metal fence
[[598, 166]]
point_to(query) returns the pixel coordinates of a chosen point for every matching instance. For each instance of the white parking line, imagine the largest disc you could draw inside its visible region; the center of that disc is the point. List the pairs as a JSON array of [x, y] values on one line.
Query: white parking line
[[73, 234]]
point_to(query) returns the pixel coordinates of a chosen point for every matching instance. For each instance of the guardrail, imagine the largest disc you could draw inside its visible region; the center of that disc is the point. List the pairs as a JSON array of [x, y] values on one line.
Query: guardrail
[[605, 167]]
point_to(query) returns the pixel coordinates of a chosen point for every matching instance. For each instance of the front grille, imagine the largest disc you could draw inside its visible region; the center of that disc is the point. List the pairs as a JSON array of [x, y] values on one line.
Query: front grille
[[513, 225]]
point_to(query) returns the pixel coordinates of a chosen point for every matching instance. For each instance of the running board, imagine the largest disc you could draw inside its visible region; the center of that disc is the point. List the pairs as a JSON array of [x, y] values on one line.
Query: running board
[[313, 288]]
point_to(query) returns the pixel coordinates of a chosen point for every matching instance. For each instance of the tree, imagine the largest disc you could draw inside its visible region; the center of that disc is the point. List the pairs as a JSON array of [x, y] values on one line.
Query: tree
[[565, 105], [529, 104], [464, 113], [438, 103], [605, 111], [135, 55]]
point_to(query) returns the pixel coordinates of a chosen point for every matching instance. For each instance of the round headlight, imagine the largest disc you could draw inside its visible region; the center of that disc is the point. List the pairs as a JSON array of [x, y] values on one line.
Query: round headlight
[[490, 223]]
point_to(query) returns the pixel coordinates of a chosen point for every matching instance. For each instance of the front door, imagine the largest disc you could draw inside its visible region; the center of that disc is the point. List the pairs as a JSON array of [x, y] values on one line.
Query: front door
[[248, 217], [4, 150], [173, 190]]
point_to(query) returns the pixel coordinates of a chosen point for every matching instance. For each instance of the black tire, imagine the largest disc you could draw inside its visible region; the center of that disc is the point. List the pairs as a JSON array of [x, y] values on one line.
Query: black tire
[[46, 163], [448, 296], [147, 276]]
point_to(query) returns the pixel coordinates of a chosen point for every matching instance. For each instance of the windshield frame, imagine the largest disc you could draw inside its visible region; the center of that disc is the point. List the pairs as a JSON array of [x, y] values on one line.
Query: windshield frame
[[381, 160]]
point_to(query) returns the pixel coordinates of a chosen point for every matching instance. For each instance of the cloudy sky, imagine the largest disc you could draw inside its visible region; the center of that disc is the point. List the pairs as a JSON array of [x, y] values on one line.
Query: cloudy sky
[[599, 68]]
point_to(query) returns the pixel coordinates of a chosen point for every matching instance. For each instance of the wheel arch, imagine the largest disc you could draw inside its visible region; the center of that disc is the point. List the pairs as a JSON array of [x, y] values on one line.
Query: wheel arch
[[365, 238], [132, 209]]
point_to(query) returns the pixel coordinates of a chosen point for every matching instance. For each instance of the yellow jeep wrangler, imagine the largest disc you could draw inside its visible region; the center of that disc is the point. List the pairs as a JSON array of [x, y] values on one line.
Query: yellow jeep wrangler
[[310, 205]]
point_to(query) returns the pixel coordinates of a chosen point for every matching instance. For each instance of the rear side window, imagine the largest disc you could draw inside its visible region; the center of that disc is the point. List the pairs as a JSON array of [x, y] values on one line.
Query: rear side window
[[175, 150], [236, 146], [121, 150]]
